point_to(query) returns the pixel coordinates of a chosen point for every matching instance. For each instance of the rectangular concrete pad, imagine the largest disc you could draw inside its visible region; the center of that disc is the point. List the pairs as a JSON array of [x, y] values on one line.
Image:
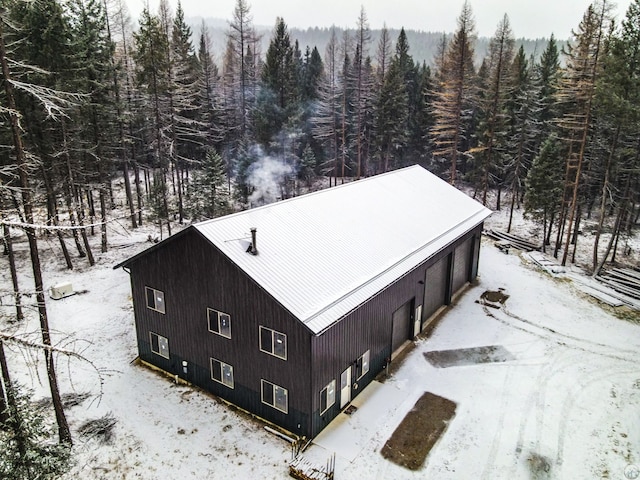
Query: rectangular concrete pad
[[468, 356]]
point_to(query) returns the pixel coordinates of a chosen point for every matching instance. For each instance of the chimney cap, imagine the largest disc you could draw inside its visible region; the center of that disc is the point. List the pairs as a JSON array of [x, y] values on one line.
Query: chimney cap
[[253, 246]]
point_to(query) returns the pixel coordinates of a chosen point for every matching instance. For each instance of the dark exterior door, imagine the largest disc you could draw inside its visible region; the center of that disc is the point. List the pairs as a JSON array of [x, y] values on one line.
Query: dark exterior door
[[461, 265], [435, 287], [402, 327]]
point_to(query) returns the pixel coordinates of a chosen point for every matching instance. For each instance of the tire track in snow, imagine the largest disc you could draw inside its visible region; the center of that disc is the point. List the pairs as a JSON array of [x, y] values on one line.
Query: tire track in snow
[[534, 407], [487, 472], [572, 398], [574, 344], [563, 339]]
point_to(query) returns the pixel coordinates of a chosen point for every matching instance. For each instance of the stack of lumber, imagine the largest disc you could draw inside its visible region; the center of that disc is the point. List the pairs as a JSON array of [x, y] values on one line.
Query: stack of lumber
[[547, 263], [622, 280], [303, 469], [514, 241]]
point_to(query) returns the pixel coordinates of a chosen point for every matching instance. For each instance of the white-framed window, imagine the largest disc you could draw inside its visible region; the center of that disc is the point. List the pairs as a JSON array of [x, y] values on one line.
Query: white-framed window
[[219, 322], [221, 372], [327, 396], [362, 365], [275, 396], [159, 345], [273, 343], [155, 299]]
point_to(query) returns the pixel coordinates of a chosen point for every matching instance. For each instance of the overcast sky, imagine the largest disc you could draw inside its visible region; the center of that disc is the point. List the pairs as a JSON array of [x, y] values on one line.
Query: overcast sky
[[529, 18]]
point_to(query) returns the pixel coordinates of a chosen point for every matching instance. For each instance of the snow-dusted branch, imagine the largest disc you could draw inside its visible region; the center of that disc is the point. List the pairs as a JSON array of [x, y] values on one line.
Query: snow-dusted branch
[[12, 339], [53, 228], [50, 349], [54, 101], [25, 66]]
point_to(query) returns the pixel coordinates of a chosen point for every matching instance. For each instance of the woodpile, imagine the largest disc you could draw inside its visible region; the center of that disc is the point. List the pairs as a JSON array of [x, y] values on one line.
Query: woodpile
[[622, 280], [506, 240], [303, 469]]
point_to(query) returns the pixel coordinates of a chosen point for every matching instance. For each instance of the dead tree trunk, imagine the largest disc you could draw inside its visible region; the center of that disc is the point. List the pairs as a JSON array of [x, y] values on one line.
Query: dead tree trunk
[[603, 199], [64, 432], [103, 180], [53, 216], [8, 242], [72, 204], [5, 385]]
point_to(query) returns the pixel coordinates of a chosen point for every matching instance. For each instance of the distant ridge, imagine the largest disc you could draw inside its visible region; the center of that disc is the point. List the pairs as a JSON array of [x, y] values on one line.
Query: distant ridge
[[422, 45]]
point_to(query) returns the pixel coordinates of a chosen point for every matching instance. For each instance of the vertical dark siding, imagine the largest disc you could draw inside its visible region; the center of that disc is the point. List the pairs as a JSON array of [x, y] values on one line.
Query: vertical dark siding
[[194, 275], [370, 327]]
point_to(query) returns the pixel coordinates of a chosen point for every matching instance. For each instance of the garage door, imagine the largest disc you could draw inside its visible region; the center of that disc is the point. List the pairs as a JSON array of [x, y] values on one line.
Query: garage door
[[435, 287], [401, 326], [461, 259]]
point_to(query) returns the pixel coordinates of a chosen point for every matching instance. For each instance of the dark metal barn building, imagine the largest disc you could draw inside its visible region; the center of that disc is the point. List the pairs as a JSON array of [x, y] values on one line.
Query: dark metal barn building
[[291, 309]]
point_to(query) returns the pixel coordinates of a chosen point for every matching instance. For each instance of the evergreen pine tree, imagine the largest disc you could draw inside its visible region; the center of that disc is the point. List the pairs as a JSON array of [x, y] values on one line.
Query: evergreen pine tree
[[153, 78], [92, 76], [277, 98], [523, 128], [312, 72], [28, 450], [211, 113], [617, 116], [497, 88], [544, 186], [392, 119], [547, 77], [208, 192]]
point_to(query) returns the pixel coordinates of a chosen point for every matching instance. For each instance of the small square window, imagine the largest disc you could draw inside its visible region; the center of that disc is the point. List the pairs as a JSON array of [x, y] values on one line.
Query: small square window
[[267, 393], [275, 396], [327, 396], [225, 325], [279, 345], [219, 322], [155, 299], [281, 395], [222, 372], [362, 365], [159, 345], [273, 343], [266, 340]]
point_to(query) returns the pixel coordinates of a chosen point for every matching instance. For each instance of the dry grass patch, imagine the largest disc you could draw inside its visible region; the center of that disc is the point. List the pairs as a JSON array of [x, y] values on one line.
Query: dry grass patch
[[420, 429]]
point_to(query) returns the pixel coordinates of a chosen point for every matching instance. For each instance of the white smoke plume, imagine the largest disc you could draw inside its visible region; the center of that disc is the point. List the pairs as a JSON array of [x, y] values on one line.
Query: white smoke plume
[[266, 177]]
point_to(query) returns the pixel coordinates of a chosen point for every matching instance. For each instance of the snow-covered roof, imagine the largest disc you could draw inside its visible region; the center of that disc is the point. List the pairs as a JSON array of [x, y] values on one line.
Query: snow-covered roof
[[323, 254]]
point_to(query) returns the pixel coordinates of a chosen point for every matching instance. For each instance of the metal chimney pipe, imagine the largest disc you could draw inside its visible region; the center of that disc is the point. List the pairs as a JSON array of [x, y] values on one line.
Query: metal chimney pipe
[[254, 245]]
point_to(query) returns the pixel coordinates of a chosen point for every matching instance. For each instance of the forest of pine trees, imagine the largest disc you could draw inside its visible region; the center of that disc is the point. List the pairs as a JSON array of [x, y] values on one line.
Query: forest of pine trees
[[92, 99], [99, 98]]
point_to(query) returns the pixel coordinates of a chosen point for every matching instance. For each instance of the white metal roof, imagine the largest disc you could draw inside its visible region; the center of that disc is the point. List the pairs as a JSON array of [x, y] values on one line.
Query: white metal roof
[[323, 254]]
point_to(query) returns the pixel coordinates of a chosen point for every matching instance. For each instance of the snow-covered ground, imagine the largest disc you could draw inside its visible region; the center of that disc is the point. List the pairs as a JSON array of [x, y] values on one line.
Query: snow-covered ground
[[566, 406]]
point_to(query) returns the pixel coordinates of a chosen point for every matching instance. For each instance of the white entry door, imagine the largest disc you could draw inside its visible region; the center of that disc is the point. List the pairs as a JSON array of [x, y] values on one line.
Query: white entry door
[[417, 323], [345, 387]]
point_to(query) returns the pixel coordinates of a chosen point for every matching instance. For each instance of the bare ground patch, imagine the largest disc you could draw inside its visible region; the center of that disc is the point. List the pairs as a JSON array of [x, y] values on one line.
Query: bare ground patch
[[420, 429]]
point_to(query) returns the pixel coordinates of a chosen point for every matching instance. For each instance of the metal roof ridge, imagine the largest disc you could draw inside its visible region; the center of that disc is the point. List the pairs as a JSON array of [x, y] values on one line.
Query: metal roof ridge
[[394, 265], [317, 192]]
